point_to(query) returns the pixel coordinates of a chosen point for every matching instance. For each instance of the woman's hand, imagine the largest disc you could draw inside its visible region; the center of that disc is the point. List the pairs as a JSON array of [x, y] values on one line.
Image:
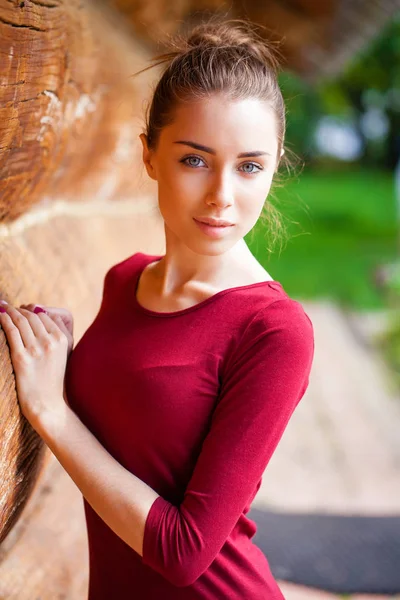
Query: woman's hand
[[39, 346], [66, 317]]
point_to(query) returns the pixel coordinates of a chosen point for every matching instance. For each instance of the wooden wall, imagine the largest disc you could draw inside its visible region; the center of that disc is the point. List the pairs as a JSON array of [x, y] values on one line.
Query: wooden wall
[[74, 199]]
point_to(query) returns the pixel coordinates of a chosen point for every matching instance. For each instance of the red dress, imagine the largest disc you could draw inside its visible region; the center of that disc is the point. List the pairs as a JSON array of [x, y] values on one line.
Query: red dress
[[194, 403]]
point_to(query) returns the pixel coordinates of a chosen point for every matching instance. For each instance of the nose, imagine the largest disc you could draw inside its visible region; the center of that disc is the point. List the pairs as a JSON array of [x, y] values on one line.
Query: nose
[[221, 192]]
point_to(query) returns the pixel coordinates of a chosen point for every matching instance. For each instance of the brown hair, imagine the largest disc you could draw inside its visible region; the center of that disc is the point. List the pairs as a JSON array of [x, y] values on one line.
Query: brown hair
[[224, 57]]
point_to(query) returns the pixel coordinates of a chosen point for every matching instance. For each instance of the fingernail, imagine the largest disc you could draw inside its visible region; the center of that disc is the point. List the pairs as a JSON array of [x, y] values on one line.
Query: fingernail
[[2, 309], [38, 309], [3, 302]]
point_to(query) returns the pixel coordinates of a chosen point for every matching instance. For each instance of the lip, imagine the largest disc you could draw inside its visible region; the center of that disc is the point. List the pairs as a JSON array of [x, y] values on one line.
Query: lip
[[212, 230], [215, 222]]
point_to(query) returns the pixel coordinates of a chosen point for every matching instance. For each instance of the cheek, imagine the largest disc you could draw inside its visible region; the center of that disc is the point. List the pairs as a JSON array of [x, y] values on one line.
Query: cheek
[[173, 201], [175, 180], [257, 190], [253, 201], [268, 183], [265, 184]]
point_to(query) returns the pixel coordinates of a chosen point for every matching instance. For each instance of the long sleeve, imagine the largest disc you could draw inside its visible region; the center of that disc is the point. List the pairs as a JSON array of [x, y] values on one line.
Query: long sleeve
[[263, 381]]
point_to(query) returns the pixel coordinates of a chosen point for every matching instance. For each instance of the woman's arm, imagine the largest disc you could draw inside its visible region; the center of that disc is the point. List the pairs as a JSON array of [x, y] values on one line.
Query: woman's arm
[[262, 383], [121, 499], [39, 348]]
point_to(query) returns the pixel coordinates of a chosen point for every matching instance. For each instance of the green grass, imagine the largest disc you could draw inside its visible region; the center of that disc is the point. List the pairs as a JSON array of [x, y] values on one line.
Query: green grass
[[341, 226]]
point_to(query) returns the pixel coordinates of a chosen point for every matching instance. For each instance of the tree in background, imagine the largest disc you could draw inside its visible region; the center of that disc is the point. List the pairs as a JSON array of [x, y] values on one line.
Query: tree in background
[[364, 97]]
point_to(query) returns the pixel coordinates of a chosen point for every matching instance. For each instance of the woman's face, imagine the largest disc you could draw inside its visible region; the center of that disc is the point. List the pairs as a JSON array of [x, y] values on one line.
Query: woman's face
[[214, 181]]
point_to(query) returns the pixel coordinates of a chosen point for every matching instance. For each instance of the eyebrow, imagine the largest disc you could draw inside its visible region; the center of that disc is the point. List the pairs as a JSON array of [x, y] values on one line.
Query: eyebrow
[[211, 151]]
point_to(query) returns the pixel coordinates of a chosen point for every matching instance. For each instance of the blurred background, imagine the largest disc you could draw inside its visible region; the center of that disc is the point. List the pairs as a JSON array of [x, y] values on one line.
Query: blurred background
[[338, 253], [74, 200], [341, 202]]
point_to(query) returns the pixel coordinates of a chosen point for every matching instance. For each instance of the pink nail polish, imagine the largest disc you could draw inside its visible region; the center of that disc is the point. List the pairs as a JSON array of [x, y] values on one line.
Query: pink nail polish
[[2, 309], [38, 309]]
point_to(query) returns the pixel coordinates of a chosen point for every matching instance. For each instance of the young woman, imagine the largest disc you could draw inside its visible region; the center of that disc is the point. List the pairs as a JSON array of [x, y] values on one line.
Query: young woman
[[177, 395]]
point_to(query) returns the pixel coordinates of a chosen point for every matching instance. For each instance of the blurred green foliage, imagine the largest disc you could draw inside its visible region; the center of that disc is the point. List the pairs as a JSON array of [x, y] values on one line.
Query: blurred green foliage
[[370, 80], [341, 227], [389, 342]]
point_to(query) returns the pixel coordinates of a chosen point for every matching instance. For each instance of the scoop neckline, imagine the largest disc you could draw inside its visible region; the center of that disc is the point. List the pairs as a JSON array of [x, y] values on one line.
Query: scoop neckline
[[155, 258]]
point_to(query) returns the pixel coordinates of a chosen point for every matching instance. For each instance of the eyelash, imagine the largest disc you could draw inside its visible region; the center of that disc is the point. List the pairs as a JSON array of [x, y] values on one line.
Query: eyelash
[[259, 167]]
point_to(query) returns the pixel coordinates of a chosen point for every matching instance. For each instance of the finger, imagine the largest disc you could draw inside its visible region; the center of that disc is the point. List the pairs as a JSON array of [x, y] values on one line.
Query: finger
[[53, 325], [53, 311], [31, 307], [60, 323], [22, 324], [12, 333], [38, 326]]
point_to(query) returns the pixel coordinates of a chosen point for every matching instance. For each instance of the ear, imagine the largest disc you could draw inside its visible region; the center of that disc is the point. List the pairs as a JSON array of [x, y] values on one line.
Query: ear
[[278, 161], [148, 158]]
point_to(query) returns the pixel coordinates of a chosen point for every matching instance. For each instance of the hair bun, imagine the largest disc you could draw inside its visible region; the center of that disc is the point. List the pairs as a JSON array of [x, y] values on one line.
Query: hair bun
[[237, 33]]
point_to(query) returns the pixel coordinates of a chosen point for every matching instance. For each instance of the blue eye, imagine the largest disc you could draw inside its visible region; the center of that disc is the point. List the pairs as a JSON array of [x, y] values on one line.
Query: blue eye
[[253, 165], [190, 158]]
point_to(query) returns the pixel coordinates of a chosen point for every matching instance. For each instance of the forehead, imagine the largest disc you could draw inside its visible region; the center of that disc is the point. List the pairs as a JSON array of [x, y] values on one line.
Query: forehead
[[225, 125]]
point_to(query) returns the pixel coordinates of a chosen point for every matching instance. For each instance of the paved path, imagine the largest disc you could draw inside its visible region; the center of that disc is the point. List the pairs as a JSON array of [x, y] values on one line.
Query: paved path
[[341, 449], [296, 592]]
